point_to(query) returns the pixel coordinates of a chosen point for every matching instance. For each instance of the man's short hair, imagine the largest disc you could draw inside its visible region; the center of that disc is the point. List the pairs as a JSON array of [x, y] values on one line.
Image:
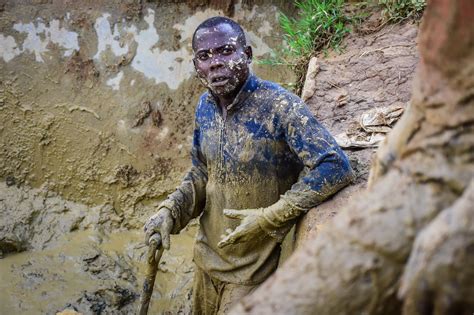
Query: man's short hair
[[217, 20]]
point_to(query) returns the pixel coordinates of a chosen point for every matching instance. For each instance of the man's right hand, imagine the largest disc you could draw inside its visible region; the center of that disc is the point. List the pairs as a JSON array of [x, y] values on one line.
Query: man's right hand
[[161, 223]]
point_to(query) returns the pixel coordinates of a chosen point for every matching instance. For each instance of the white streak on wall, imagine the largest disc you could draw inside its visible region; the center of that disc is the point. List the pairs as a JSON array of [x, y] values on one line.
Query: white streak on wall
[[115, 82], [170, 67], [191, 23], [265, 28], [164, 66], [8, 48], [241, 15], [108, 38], [259, 47], [39, 36], [62, 37], [33, 42]]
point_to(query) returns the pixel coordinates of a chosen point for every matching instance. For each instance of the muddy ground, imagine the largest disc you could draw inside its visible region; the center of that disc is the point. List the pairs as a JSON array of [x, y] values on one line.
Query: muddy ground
[[92, 142]]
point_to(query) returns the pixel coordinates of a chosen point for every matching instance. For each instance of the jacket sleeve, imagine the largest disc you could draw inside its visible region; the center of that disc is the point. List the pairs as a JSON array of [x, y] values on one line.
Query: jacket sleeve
[[189, 198], [326, 169]]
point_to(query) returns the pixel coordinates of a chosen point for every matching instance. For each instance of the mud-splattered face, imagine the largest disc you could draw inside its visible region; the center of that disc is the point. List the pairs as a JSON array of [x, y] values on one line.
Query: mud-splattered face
[[220, 59]]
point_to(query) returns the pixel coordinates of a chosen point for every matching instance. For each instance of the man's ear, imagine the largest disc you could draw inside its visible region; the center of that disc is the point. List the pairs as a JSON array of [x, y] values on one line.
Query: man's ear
[[249, 53]]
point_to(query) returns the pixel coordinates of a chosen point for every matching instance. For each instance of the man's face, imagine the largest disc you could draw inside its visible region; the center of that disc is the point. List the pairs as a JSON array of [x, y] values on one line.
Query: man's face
[[221, 61]]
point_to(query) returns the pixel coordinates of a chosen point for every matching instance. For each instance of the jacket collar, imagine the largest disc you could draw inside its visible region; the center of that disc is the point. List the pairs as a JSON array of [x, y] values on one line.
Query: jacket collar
[[248, 88]]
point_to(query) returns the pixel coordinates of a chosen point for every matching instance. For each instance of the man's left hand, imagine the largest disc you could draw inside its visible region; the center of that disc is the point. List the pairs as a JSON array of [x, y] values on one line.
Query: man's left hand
[[248, 228]]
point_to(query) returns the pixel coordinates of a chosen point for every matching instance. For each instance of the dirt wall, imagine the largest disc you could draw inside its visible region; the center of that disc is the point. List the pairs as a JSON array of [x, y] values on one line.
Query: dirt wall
[[97, 97]]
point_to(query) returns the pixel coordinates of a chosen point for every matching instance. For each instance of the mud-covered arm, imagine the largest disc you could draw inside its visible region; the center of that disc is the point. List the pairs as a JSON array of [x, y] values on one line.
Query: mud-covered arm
[[326, 169], [188, 200]]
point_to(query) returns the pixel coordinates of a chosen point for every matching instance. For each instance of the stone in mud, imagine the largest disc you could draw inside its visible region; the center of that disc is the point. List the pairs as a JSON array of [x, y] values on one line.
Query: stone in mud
[[36, 218], [104, 266], [115, 300]]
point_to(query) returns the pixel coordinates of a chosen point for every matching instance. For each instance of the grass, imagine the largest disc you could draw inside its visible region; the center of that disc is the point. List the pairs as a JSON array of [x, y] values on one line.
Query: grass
[[398, 10], [320, 24]]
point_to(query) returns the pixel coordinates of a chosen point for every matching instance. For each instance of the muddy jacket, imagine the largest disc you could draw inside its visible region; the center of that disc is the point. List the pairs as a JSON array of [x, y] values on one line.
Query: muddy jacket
[[269, 149]]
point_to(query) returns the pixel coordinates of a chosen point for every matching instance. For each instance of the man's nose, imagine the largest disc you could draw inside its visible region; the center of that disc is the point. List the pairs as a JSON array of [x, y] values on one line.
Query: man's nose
[[216, 63]]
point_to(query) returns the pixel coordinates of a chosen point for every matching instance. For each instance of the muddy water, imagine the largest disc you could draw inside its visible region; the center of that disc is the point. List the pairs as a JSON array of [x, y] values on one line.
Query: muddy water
[[83, 270]]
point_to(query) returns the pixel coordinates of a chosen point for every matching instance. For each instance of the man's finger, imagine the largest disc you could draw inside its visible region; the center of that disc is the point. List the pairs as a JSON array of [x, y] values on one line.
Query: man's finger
[[234, 214], [231, 238], [226, 242], [165, 240], [148, 234]]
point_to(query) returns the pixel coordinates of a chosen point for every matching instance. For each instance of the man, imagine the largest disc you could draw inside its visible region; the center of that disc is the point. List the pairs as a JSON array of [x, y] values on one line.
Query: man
[[259, 160]]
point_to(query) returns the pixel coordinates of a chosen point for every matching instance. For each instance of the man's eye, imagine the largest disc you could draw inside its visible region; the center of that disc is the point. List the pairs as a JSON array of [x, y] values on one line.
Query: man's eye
[[227, 50], [203, 57]]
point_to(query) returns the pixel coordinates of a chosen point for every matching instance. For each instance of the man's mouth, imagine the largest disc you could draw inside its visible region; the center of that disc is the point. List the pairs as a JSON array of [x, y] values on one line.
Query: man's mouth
[[219, 81]]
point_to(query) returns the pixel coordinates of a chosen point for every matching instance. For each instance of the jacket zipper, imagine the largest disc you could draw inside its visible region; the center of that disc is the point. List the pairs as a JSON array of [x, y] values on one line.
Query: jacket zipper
[[222, 122]]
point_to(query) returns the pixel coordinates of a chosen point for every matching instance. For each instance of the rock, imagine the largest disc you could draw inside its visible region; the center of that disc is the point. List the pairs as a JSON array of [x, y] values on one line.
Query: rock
[[310, 82]]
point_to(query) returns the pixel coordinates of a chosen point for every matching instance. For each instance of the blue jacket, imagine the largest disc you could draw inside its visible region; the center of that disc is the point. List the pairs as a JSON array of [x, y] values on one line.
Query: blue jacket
[[270, 148]]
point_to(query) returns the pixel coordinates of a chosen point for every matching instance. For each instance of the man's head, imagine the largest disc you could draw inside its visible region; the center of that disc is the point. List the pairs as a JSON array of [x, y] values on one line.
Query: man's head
[[221, 55]]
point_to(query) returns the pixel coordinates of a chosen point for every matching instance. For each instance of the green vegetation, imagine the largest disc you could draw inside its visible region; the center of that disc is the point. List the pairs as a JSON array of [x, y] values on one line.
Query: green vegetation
[[320, 24], [397, 10]]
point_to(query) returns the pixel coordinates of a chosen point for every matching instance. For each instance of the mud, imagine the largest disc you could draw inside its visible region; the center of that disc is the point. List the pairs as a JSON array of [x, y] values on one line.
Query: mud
[[92, 271], [375, 71], [95, 133], [88, 89]]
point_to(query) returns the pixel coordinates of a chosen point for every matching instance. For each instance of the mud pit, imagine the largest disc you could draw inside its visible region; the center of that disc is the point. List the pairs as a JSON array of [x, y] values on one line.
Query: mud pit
[[95, 133], [78, 261]]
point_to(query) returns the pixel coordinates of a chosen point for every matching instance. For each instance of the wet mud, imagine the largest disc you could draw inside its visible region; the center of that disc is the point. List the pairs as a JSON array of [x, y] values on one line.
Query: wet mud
[[91, 270]]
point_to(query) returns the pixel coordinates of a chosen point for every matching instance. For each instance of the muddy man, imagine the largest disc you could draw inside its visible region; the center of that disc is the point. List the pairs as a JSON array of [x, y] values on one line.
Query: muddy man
[[260, 160]]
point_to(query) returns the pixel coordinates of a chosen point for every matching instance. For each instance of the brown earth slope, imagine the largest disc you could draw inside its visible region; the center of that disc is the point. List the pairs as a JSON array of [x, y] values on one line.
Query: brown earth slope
[[374, 74]]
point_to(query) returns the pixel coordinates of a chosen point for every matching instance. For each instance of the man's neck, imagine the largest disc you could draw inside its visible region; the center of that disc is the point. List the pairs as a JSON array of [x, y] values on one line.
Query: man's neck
[[226, 100]]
